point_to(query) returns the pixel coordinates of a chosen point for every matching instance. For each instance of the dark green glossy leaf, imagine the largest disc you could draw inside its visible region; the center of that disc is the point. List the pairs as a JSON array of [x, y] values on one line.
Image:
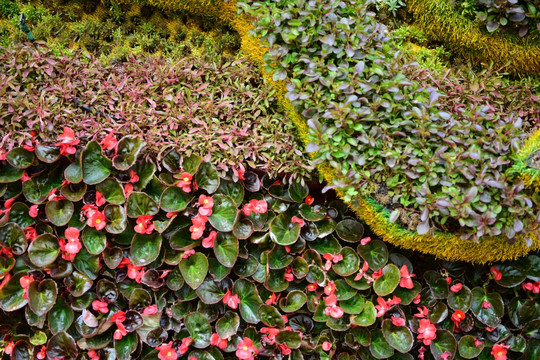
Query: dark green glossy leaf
[[226, 249], [95, 167], [368, 315], [234, 190], [489, 316], [145, 248], [43, 250], [375, 253], [12, 237], [11, 294], [42, 296], [385, 284], [62, 346], [194, 269], [59, 212], [47, 154], [94, 240], [398, 337], [444, 342], [174, 199], [141, 204], [20, 158], [207, 177], [249, 300], [128, 149], [283, 231], [112, 191], [350, 263], [467, 347], [298, 192], [224, 213], [379, 347], [116, 219], [199, 329], [350, 230], [227, 325]]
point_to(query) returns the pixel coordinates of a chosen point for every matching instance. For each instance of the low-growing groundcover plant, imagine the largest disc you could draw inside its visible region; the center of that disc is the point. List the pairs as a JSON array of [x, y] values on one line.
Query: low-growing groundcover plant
[[219, 110], [106, 254], [444, 164]]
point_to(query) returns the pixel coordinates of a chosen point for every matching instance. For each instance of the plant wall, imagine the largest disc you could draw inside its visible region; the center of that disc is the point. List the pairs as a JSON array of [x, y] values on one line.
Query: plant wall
[[107, 254]]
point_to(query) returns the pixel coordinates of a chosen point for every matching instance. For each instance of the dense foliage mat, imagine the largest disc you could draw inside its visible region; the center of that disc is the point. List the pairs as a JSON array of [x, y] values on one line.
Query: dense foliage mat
[[220, 110], [105, 255]]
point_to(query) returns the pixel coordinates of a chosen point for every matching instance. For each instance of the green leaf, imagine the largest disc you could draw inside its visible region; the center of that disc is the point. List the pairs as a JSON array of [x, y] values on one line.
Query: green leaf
[[191, 164], [116, 219], [43, 250], [73, 173], [59, 212], [6, 264], [11, 294], [350, 230], [249, 300], [293, 301], [283, 231], [243, 228], [42, 296], [141, 204], [227, 325], [389, 280], [62, 346], [112, 191], [298, 192], [210, 291], [128, 149], [199, 329], [468, 349], [94, 240], [74, 192], [12, 237], [126, 346], [224, 213], [460, 300], [18, 214], [399, 337], [145, 248], [47, 154], [207, 177], [234, 190], [438, 313], [312, 213], [95, 166], [375, 253], [9, 174], [290, 338], [379, 347], [491, 316], [87, 263], [444, 342], [145, 170], [350, 263], [270, 316], [438, 285], [194, 269], [78, 283], [354, 305], [175, 199], [278, 258], [511, 275], [367, 317], [20, 158], [226, 249]]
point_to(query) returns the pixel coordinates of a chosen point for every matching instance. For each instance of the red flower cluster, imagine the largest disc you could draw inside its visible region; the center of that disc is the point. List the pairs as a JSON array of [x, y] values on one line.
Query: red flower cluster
[[208, 241], [246, 349], [185, 182], [457, 317], [256, 207], [332, 309], [384, 305], [231, 300], [144, 224], [426, 331], [25, 283], [297, 220], [166, 352], [118, 318], [406, 281], [215, 340], [73, 245], [94, 217], [197, 229], [67, 142], [499, 351], [206, 204], [109, 142], [331, 258], [100, 306], [133, 272], [534, 287]]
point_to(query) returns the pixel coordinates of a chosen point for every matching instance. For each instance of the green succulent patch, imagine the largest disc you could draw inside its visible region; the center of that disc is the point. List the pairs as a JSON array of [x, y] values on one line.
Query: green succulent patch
[[388, 132], [108, 253]]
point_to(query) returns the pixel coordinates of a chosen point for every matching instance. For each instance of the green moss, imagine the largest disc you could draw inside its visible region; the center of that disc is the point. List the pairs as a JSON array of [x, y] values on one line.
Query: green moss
[[8, 8]]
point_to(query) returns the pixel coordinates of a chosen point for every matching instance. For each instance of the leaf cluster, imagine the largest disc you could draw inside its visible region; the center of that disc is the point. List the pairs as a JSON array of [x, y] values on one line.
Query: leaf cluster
[[276, 266], [443, 161]]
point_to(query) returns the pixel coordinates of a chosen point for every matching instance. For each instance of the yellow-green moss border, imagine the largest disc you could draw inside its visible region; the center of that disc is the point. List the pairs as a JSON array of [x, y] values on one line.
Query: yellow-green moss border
[[439, 20], [445, 246]]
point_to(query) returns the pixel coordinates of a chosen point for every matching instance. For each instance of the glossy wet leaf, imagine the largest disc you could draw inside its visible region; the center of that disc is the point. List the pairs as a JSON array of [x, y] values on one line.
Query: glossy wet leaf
[[298, 192], [42, 296], [290, 338], [199, 329], [368, 315], [249, 300], [44, 250], [139, 204], [116, 219], [78, 283], [489, 316], [207, 177], [87, 264], [174, 199], [20, 158], [227, 325], [47, 154], [350, 230], [444, 342], [62, 346], [460, 300], [145, 248], [129, 148], [11, 294], [379, 347], [224, 213], [226, 248], [112, 191], [234, 190], [354, 305], [12, 237], [95, 167], [59, 212], [468, 349], [194, 269], [283, 231], [210, 291], [94, 240], [385, 284], [126, 346], [349, 264], [398, 337], [375, 253]]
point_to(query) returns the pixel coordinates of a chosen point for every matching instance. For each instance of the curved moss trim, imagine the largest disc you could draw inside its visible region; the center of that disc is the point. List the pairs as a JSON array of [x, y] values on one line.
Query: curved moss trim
[[523, 165], [444, 246], [439, 20]]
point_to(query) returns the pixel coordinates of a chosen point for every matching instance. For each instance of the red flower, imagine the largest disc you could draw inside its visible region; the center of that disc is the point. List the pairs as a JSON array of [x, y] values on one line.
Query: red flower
[[326, 345], [285, 349], [197, 229], [312, 287], [458, 316], [206, 203], [398, 321], [109, 142], [269, 336], [377, 274], [272, 300], [73, 245], [534, 287], [3, 155], [43, 353], [128, 189], [208, 241], [118, 318], [486, 304], [30, 233], [185, 181], [188, 253], [34, 209], [330, 300], [330, 288], [95, 218], [448, 280], [365, 241], [150, 310], [166, 352], [25, 283], [362, 271], [144, 224], [497, 275], [134, 177], [100, 200], [255, 206], [334, 311], [426, 331], [499, 352], [309, 200], [231, 300], [422, 312], [445, 355], [406, 281], [100, 306], [417, 299], [215, 340], [456, 287], [184, 347], [246, 349], [382, 306], [296, 219], [67, 142], [331, 258], [289, 275], [240, 172], [134, 272], [25, 177], [9, 348], [477, 342]]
